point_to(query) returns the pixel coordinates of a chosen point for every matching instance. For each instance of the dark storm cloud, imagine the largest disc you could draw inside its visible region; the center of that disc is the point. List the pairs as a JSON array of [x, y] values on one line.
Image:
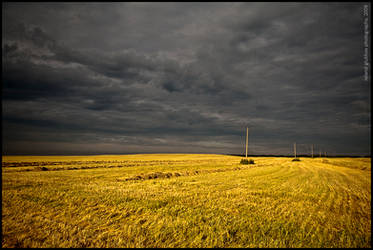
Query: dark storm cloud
[[187, 77]]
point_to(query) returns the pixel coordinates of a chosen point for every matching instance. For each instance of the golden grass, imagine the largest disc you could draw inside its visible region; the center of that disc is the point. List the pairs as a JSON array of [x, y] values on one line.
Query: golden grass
[[183, 200]]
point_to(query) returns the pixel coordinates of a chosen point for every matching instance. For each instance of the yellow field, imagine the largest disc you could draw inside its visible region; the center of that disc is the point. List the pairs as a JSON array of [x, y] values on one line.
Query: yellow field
[[180, 200]]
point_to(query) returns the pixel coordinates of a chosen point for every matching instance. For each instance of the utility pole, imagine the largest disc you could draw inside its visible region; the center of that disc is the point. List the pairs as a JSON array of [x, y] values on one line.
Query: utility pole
[[247, 139], [295, 150], [320, 153], [312, 150]]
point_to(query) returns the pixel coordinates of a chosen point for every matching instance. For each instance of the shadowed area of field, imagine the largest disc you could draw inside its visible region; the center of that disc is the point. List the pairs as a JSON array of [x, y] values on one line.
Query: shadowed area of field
[[180, 200]]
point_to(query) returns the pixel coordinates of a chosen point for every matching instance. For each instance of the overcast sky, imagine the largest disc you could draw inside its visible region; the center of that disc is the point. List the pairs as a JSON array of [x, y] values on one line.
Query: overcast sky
[[99, 78]]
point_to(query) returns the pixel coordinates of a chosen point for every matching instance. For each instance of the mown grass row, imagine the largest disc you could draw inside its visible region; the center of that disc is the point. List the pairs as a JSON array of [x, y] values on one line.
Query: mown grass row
[[50, 163], [277, 203]]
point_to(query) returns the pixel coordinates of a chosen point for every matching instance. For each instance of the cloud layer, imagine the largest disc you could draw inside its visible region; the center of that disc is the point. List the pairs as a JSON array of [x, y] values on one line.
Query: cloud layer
[[93, 78]]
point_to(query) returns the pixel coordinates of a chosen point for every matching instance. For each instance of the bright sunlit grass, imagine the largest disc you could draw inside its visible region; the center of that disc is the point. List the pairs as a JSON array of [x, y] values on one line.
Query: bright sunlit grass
[[180, 200]]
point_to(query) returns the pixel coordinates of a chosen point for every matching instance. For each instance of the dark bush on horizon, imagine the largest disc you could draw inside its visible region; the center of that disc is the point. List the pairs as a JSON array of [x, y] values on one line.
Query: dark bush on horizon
[[246, 161]]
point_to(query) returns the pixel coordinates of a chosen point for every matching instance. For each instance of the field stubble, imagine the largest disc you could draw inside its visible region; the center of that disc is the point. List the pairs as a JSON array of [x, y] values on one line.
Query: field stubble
[[185, 201]]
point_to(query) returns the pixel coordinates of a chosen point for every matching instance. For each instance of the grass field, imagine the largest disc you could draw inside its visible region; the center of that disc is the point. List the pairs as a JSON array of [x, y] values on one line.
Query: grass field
[[175, 200]]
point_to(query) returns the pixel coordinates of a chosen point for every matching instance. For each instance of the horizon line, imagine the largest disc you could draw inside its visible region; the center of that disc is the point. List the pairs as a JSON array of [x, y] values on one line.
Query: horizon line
[[241, 155]]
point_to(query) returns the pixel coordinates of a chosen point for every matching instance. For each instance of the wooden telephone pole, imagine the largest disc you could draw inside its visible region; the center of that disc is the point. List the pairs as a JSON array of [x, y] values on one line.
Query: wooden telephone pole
[[295, 150], [247, 139], [312, 150]]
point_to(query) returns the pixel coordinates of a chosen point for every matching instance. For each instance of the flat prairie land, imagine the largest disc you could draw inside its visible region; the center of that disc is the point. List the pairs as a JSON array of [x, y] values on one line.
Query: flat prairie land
[[185, 200]]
